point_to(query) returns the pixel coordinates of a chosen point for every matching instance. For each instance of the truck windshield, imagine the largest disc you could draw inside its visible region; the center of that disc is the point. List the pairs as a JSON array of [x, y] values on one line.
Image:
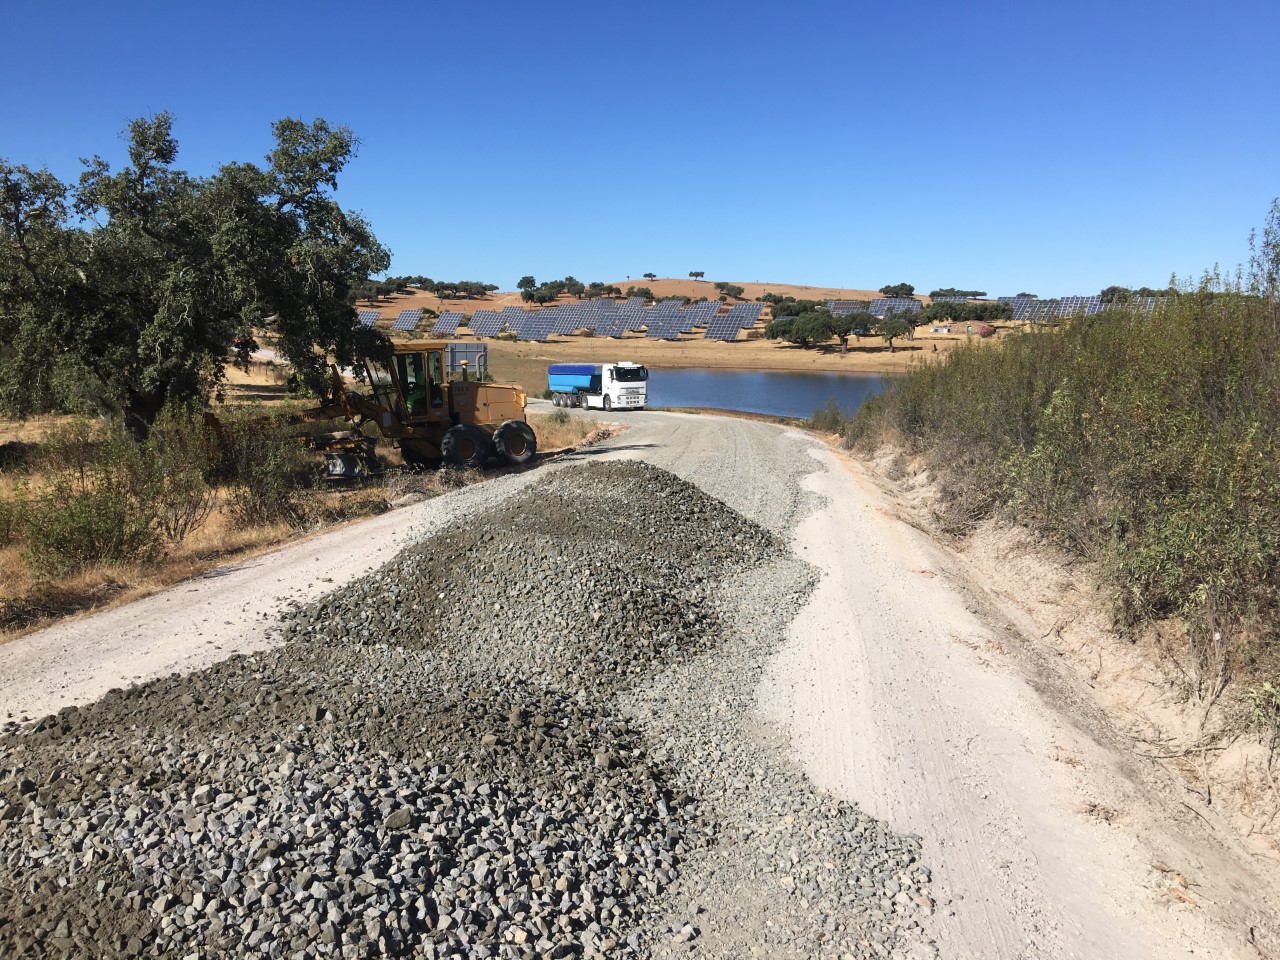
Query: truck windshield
[[631, 374]]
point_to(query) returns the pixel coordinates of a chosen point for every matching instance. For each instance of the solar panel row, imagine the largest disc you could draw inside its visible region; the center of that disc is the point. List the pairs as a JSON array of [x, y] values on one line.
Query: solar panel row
[[841, 308], [485, 323], [447, 324], [883, 306], [723, 327], [746, 313], [407, 320]]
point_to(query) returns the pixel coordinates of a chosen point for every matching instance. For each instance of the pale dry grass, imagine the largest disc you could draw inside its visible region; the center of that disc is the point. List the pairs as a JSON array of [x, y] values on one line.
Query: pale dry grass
[[33, 429], [561, 431], [28, 603]]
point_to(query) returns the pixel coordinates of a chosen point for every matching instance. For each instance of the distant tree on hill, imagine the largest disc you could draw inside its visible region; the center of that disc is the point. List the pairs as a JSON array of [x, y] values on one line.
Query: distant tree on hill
[[804, 330], [729, 289], [953, 292], [574, 287], [851, 324], [697, 274], [961, 311], [1116, 295], [1031, 295], [892, 326], [598, 289], [526, 283], [898, 290], [791, 307], [639, 292], [650, 276]]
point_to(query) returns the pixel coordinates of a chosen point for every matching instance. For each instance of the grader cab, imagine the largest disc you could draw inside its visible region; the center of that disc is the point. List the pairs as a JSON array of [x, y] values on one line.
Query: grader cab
[[432, 418]]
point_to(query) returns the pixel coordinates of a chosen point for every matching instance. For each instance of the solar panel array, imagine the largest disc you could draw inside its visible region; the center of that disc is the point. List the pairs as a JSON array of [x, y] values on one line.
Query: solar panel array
[[536, 327], [485, 323], [513, 318], [746, 313], [883, 306], [841, 308], [447, 324], [699, 314], [408, 320], [368, 317], [724, 327], [611, 326], [664, 322], [1038, 311], [631, 316], [1070, 306]]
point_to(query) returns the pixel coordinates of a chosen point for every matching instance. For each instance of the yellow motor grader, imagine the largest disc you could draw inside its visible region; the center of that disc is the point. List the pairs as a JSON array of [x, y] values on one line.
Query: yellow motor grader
[[411, 400]]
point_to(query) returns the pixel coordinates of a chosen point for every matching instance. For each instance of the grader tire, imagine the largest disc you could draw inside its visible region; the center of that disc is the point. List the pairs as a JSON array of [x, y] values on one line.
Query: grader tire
[[465, 446], [516, 442]]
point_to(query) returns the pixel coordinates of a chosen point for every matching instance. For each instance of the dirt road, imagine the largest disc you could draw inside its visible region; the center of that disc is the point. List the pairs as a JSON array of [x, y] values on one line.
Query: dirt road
[[901, 685]]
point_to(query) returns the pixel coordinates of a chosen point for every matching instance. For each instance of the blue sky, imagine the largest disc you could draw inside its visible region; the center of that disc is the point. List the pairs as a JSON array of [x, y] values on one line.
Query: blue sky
[[1052, 148]]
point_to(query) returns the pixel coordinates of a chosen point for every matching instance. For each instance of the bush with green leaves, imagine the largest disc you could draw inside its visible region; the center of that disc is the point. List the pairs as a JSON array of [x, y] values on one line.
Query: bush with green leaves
[[264, 465], [1149, 442], [180, 457], [96, 507]]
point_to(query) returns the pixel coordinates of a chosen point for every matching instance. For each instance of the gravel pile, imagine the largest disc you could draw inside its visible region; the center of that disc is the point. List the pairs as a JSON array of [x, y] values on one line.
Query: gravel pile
[[527, 737]]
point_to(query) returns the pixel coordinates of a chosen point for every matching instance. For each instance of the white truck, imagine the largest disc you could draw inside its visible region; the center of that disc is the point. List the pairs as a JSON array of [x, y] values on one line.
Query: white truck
[[599, 386]]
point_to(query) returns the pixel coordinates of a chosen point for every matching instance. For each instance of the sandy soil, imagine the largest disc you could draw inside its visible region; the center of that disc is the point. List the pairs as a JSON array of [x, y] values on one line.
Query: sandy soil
[[905, 690]]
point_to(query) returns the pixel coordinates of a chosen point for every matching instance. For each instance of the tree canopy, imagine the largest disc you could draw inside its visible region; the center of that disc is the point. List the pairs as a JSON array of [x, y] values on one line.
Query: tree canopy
[[953, 292], [961, 311], [125, 290], [898, 290]]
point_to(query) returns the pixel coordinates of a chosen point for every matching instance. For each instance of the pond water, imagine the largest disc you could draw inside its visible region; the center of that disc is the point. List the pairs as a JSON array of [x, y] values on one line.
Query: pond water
[[762, 391]]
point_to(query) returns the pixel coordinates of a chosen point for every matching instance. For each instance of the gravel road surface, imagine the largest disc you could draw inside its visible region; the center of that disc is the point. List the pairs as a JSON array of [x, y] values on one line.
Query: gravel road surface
[[695, 691]]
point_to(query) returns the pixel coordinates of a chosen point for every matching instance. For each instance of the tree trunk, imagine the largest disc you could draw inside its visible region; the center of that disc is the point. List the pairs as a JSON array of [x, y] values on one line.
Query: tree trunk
[[140, 412]]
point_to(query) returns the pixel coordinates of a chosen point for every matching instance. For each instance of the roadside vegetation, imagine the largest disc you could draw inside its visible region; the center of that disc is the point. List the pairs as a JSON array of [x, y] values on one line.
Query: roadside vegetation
[[91, 516], [1147, 443]]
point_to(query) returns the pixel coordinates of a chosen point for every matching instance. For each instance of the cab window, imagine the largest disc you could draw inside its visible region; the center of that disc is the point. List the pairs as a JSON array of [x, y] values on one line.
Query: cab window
[[413, 381]]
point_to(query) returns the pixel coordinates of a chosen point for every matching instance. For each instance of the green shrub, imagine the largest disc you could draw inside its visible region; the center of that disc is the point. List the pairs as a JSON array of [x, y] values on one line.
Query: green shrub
[[98, 507], [829, 419], [1263, 706], [1148, 443], [181, 454], [264, 465]]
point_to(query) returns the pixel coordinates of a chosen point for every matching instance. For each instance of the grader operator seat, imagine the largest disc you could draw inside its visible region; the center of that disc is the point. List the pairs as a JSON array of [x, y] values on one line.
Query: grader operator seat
[[420, 379]]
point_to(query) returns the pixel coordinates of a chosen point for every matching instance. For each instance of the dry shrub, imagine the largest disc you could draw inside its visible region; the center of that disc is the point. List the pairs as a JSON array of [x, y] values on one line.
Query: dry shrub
[[264, 466], [1149, 443], [97, 505]]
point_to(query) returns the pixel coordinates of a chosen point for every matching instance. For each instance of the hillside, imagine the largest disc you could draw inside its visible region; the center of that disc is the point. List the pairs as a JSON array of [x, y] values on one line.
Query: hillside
[[670, 287]]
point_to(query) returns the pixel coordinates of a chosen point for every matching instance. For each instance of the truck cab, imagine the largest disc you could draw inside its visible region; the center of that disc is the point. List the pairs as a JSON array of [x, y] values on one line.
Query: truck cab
[[601, 386]]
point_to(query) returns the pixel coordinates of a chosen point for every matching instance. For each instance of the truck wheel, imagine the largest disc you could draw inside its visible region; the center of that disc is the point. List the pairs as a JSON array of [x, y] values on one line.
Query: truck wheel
[[608, 404], [557, 400], [516, 442], [465, 445], [582, 401]]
